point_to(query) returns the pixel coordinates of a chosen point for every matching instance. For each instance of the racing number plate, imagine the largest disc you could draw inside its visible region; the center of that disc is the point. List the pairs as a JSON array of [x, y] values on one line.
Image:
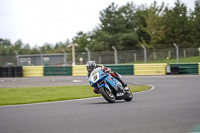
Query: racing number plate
[[120, 94], [95, 78]]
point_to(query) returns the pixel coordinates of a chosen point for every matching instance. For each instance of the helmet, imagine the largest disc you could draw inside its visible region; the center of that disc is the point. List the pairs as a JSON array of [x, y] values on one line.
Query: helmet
[[90, 66]]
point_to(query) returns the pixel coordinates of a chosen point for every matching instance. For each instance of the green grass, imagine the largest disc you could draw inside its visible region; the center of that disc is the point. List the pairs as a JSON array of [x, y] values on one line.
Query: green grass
[[139, 88], [195, 59], [13, 96]]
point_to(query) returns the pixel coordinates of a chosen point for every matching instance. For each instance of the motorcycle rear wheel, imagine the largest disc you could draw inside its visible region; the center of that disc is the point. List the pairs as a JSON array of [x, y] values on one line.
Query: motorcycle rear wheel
[[129, 96], [108, 95]]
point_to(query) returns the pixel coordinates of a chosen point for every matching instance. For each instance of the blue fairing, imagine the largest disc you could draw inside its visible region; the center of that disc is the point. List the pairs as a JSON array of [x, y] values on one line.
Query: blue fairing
[[104, 85]]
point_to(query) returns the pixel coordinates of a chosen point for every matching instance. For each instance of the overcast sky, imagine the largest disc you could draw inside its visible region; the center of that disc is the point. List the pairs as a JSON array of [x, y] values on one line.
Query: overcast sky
[[40, 21]]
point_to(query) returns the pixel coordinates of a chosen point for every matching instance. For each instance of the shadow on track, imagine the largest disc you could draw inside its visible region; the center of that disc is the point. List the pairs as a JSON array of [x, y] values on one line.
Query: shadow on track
[[117, 102]]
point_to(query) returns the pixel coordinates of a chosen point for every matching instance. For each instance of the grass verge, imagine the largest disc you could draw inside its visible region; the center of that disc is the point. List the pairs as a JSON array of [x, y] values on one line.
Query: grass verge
[[13, 96], [195, 59]]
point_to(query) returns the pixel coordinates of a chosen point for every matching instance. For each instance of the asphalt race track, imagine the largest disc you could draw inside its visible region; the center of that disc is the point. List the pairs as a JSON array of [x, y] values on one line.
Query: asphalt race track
[[172, 107]]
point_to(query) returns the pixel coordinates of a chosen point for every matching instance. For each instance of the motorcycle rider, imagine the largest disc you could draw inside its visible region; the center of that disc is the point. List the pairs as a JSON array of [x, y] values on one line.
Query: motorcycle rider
[[91, 65]]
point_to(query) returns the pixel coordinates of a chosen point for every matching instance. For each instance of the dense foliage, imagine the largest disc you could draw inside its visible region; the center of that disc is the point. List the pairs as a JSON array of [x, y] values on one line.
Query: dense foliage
[[127, 27]]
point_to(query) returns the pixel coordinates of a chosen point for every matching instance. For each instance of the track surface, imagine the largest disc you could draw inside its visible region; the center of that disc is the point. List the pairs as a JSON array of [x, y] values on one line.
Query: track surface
[[173, 107]]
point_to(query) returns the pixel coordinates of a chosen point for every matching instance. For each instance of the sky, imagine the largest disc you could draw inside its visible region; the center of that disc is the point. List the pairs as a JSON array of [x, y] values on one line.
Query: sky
[[51, 21]]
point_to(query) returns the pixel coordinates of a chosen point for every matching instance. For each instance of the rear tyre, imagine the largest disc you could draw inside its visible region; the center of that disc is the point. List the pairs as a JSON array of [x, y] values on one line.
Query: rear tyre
[[129, 96], [107, 94]]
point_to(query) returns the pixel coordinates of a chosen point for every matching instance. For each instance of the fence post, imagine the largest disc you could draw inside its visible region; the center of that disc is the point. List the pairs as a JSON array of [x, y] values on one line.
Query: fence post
[[154, 56], [17, 55], [199, 50], [73, 53], [115, 54], [169, 54], [88, 53], [145, 54], [135, 57], [177, 52], [41, 57], [99, 59], [184, 53], [64, 59]]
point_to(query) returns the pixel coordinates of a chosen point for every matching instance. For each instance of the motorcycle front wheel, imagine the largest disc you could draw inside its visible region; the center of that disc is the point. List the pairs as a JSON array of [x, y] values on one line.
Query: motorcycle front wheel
[[107, 94]]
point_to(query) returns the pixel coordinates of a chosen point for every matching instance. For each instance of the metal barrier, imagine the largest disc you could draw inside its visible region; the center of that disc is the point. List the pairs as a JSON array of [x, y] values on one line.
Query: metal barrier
[[199, 68], [33, 71], [191, 68], [150, 69], [79, 70], [122, 69], [58, 71]]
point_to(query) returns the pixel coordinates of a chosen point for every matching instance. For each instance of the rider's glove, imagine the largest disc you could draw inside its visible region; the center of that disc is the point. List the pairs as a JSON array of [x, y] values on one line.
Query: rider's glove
[[108, 70]]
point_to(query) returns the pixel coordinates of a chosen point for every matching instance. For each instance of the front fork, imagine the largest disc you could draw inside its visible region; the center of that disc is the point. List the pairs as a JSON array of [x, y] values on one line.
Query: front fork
[[105, 85]]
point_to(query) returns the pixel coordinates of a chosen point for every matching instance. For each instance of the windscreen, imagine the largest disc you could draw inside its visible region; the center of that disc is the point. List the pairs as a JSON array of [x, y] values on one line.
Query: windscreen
[[95, 71]]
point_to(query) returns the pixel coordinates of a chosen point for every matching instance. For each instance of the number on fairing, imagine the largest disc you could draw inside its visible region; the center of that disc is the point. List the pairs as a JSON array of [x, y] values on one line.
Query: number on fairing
[[95, 77], [120, 94]]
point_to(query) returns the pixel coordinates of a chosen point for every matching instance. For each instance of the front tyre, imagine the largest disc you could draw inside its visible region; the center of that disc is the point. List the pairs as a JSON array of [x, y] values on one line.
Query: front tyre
[[107, 94]]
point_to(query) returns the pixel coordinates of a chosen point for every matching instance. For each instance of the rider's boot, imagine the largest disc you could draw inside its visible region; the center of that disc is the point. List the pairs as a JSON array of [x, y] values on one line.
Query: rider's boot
[[124, 85], [95, 91], [126, 88]]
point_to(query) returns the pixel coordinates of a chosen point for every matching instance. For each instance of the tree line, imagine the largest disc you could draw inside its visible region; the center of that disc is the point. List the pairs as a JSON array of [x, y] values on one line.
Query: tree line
[[127, 27]]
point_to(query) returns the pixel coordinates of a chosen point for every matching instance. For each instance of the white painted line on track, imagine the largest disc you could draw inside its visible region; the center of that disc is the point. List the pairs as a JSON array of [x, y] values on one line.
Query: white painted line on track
[[77, 81], [19, 105], [152, 88]]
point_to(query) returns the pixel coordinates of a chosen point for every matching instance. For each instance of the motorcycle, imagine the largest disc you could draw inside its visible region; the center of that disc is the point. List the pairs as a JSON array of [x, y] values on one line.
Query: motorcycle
[[109, 87]]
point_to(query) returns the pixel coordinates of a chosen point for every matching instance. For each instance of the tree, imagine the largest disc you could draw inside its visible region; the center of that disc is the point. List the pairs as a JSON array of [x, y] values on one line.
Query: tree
[[140, 14], [5, 42], [5, 45], [117, 28], [177, 24], [154, 27], [82, 39], [46, 48], [18, 44], [195, 22], [60, 46]]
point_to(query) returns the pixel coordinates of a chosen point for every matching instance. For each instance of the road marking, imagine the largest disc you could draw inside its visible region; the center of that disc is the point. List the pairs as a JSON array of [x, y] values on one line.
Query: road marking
[[77, 81], [152, 88]]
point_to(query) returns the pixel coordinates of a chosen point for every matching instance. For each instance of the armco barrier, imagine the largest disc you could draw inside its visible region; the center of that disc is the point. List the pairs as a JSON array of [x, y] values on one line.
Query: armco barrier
[[150, 69], [199, 68], [33, 71], [79, 70], [58, 71], [174, 70], [122, 69], [186, 68]]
